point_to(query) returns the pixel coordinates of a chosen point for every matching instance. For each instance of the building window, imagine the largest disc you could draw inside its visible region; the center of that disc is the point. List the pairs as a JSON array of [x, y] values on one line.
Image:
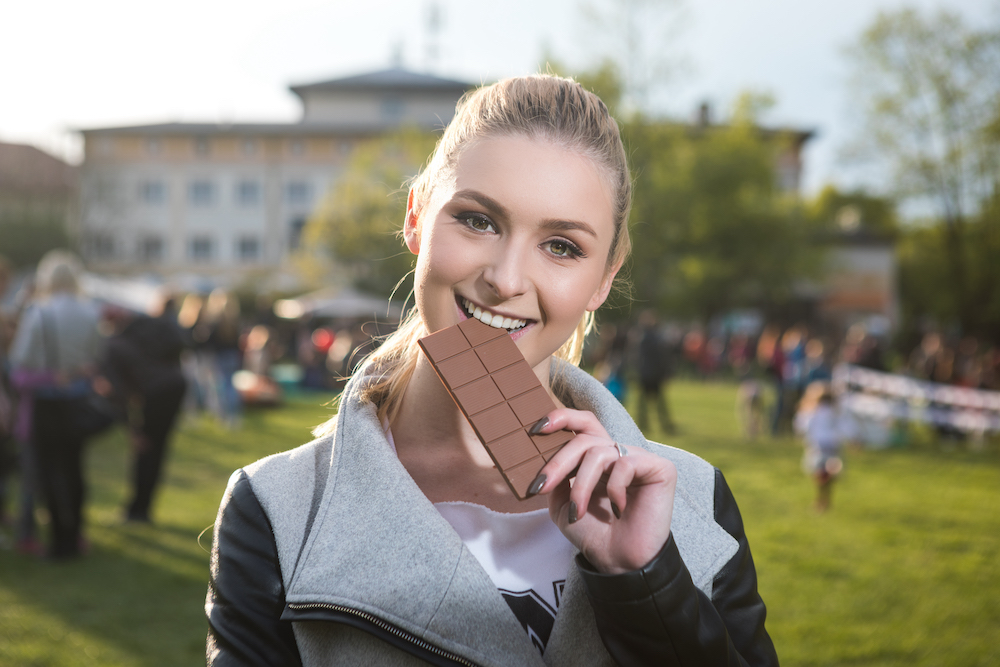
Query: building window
[[201, 146], [248, 193], [248, 248], [105, 146], [200, 248], [151, 249], [393, 107], [152, 193], [101, 245], [154, 146], [298, 193], [297, 147], [295, 230], [249, 147], [344, 146], [201, 193]]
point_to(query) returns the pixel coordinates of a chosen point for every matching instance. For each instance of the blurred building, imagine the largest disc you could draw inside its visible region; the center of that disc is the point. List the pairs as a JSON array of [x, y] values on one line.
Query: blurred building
[[232, 199], [38, 195]]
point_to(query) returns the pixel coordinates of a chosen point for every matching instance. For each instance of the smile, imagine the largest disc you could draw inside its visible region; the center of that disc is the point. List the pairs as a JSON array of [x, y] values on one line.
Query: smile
[[495, 320]]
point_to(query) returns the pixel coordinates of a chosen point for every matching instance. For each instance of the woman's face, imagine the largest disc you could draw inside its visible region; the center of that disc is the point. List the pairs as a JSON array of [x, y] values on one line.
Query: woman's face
[[518, 234]]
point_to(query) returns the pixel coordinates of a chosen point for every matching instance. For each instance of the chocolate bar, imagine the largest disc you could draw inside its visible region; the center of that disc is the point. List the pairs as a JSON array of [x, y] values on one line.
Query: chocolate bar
[[499, 394]]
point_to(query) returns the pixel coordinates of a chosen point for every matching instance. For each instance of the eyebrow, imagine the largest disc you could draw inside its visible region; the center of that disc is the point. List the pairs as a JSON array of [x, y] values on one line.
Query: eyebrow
[[498, 209]]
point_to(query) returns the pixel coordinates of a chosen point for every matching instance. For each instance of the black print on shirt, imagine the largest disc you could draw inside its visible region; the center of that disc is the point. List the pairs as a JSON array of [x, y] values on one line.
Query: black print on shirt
[[535, 614]]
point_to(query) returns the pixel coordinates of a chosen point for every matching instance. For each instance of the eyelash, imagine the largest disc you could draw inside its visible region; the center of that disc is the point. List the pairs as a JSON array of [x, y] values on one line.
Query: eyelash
[[572, 250]]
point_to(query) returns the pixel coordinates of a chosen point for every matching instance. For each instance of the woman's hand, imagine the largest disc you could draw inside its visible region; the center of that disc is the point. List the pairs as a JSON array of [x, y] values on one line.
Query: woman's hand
[[638, 487]]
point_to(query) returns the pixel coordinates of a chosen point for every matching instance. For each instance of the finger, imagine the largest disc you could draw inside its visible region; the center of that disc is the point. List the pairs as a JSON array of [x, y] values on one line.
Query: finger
[[565, 462], [559, 501], [621, 477], [596, 462], [578, 421]]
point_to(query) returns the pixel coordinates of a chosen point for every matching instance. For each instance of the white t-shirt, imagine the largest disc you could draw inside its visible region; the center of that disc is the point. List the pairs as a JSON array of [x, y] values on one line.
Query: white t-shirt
[[525, 554]]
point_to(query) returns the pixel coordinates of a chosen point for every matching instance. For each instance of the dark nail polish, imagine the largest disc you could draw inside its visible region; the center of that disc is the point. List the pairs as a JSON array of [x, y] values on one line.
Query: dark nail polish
[[617, 512], [538, 426], [572, 512], [536, 485]]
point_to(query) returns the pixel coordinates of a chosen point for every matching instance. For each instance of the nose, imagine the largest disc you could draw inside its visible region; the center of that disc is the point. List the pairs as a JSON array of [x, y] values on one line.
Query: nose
[[506, 272]]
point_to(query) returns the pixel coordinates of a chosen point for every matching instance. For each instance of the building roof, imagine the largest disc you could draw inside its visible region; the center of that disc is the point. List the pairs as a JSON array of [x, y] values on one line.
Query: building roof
[[26, 169], [243, 129], [394, 79]]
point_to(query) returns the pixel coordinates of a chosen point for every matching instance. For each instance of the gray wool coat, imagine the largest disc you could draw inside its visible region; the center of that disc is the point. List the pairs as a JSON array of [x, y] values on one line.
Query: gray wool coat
[[353, 530]]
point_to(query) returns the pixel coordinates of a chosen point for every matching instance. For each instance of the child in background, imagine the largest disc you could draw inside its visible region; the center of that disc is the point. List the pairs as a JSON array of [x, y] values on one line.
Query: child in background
[[825, 430]]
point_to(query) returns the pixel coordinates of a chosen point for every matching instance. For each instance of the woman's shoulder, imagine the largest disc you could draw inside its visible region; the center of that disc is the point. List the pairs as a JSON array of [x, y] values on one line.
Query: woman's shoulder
[[282, 468]]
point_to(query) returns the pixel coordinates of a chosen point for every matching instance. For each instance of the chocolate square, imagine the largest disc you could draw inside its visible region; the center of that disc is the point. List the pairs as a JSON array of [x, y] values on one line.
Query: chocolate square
[[520, 477], [478, 395], [444, 344], [516, 379], [495, 422], [548, 441], [513, 449], [531, 406], [478, 333], [499, 353], [461, 369]]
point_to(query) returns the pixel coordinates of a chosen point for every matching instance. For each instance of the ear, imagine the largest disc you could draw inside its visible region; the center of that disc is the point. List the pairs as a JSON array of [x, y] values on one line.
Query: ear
[[601, 295], [411, 225]]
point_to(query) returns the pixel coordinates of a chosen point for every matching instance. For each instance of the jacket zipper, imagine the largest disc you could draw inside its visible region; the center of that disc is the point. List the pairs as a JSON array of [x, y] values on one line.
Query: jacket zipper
[[387, 627]]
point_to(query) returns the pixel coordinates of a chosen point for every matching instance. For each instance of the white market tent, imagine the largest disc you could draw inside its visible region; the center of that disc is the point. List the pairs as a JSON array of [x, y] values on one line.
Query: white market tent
[[337, 303]]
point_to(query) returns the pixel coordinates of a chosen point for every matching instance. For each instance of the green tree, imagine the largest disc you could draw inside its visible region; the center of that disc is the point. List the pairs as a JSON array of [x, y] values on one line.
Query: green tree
[[711, 229], [24, 239], [929, 91], [357, 223]]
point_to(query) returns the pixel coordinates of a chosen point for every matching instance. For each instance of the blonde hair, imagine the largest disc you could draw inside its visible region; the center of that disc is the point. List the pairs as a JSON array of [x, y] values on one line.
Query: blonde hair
[[539, 107]]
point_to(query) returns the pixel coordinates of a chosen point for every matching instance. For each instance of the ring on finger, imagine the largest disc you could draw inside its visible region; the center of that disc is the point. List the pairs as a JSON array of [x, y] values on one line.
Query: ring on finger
[[621, 449]]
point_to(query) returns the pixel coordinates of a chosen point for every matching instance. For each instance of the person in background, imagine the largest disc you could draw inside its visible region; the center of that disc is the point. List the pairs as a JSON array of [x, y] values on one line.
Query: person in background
[[143, 364], [824, 430], [223, 321], [654, 367], [57, 349]]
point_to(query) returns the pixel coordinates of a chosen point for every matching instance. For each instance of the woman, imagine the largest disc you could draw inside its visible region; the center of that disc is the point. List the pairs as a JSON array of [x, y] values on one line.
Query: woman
[[392, 539], [55, 356]]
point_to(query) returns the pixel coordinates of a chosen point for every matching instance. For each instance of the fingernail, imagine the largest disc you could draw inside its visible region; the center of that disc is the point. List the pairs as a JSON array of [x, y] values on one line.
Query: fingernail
[[539, 425], [536, 485], [614, 510], [572, 512]]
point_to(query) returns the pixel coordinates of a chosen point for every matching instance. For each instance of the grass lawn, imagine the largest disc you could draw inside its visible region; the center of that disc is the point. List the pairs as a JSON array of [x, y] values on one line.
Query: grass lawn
[[903, 570]]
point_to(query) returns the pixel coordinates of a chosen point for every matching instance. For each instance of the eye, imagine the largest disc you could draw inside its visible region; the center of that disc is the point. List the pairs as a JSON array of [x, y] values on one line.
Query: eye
[[561, 248], [476, 221]]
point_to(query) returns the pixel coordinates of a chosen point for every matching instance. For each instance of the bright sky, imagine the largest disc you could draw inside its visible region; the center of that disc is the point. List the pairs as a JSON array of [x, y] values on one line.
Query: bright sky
[[67, 64]]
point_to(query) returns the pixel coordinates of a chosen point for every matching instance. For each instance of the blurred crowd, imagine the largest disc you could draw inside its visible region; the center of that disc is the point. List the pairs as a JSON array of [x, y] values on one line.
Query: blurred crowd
[[72, 367], [774, 364]]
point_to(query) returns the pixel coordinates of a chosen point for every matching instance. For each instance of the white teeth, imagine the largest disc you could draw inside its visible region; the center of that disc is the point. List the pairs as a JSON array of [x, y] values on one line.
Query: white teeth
[[493, 320]]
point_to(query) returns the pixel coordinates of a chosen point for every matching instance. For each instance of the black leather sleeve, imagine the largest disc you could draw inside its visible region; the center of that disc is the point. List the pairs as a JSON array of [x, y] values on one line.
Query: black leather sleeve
[[656, 615], [245, 593]]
